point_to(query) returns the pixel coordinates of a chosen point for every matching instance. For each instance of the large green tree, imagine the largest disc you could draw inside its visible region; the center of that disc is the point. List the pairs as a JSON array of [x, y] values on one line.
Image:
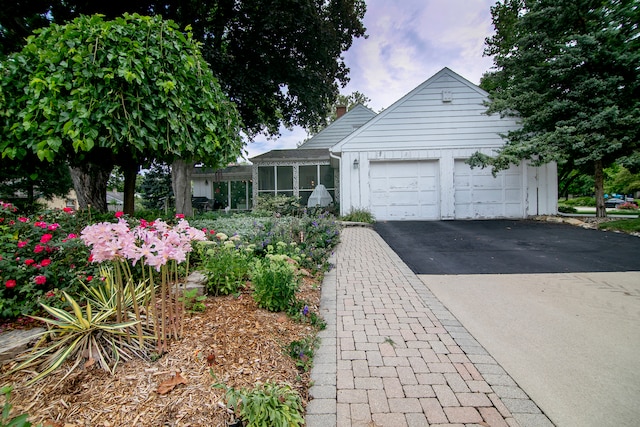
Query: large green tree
[[280, 61], [99, 93], [570, 71]]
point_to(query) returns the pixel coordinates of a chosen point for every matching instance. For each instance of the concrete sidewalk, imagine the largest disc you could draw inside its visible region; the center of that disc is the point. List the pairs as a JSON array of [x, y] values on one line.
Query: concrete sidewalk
[[393, 355]]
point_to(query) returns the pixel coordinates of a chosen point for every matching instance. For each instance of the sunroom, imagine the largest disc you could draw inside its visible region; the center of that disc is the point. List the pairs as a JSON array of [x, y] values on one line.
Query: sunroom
[[293, 173]]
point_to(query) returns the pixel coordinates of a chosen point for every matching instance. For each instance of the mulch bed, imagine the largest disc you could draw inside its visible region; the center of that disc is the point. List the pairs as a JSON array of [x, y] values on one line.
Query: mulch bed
[[239, 343]]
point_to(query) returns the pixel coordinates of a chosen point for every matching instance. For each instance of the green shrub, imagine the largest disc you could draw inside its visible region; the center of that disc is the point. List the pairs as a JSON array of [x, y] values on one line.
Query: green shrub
[[567, 209], [579, 201], [266, 405], [359, 215], [225, 266], [274, 283], [320, 235], [277, 204], [38, 256], [193, 302]]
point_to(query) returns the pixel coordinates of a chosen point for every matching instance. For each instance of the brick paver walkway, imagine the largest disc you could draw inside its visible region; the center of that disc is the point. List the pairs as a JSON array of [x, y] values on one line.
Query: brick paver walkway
[[393, 355]]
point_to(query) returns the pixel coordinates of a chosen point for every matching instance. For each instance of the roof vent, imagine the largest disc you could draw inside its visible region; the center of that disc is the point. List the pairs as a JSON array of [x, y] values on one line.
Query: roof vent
[[447, 96]]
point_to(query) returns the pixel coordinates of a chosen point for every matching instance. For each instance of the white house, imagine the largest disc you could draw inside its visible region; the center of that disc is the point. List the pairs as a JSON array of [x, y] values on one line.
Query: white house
[[409, 161]]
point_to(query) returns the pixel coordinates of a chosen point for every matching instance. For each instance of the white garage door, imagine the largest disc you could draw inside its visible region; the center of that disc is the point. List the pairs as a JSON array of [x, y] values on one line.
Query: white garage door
[[404, 190], [479, 195]]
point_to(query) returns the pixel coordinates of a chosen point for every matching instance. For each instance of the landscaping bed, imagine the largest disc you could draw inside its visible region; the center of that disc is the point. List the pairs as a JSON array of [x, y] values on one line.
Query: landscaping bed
[[111, 291], [240, 343]]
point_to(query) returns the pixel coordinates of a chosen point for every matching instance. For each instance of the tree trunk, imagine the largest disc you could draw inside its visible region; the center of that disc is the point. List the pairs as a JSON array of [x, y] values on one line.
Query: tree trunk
[[601, 211], [90, 182], [181, 182], [130, 171]]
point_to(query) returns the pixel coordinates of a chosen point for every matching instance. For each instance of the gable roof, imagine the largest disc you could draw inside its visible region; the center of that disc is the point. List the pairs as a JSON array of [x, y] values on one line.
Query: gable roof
[[420, 99], [340, 128]]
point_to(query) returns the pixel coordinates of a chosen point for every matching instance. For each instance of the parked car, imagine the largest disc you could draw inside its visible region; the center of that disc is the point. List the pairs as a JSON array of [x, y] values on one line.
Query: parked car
[[613, 202]]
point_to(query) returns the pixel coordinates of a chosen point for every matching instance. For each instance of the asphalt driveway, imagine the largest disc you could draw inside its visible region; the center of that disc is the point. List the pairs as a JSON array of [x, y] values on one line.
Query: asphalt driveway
[[508, 246], [556, 305]]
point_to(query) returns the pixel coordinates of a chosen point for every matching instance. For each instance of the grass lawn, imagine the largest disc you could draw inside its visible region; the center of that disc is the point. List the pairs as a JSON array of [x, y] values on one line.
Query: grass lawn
[[627, 225]]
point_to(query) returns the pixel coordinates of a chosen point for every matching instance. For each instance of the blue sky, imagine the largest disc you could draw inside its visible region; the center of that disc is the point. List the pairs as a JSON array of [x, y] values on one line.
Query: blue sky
[[409, 41]]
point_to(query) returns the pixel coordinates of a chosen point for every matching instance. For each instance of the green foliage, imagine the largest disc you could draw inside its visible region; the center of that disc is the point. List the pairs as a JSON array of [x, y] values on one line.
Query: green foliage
[[568, 71], [155, 188], [7, 420], [193, 302], [631, 225], [320, 235], [236, 39], [359, 215], [120, 92], [104, 293], [567, 209], [83, 334], [579, 201], [277, 204], [274, 283], [23, 182], [38, 257], [153, 87], [266, 405], [621, 180], [301, 351], [225, 265]]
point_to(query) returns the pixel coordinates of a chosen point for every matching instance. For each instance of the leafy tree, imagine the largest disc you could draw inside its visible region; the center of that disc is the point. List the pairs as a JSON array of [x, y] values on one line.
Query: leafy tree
[[124, 92], [23, 183], [156, 187], [570, 71], [280, 61], [622, 181]]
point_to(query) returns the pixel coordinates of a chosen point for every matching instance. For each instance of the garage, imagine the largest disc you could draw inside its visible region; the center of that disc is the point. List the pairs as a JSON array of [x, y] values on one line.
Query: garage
[[404, 190], [478, 194], [408, 162]]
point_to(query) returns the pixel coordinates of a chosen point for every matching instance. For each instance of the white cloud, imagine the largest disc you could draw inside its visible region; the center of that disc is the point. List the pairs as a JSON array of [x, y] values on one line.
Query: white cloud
[[409, 41]]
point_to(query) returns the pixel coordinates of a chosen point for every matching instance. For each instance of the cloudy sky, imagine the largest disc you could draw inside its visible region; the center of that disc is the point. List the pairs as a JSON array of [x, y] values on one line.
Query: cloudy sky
[[409, 41]]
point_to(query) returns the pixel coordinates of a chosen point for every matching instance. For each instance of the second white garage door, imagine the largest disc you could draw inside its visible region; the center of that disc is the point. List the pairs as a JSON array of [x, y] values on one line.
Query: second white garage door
[[405, 190], [479, 195]]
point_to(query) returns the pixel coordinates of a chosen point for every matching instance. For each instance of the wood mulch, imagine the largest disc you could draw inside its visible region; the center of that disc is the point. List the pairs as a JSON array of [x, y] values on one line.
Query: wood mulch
[[241, 344]]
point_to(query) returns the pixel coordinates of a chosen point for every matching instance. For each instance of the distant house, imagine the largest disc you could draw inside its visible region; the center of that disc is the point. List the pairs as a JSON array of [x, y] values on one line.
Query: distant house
[[408, 162]]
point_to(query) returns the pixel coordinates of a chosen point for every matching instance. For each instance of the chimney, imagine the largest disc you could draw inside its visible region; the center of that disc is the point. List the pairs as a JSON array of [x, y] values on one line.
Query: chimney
[[340, 111]]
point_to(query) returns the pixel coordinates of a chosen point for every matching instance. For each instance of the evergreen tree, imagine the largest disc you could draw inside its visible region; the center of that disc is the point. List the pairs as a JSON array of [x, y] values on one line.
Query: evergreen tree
[[570, 71]]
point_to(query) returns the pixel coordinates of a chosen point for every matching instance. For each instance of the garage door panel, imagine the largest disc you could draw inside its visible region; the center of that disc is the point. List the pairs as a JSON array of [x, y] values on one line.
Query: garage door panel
[[478, 194], [403, 183], [404, 190]]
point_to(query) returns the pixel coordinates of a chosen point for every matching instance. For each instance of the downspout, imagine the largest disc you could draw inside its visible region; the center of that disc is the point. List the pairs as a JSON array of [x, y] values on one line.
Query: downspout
[[339, 159]]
